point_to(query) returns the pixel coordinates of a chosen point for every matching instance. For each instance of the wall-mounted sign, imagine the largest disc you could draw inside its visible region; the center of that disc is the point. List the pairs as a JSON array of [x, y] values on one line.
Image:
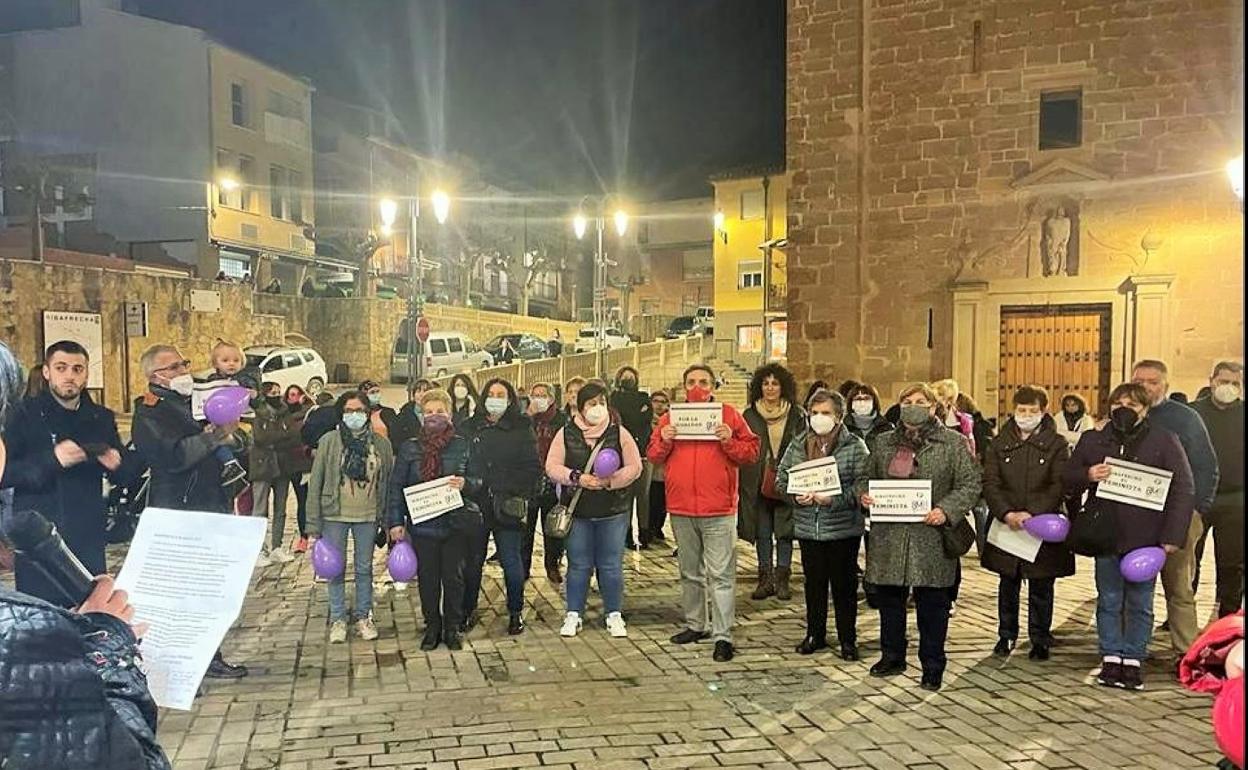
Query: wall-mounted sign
[[136, 319], [86, 330], [205, 301]]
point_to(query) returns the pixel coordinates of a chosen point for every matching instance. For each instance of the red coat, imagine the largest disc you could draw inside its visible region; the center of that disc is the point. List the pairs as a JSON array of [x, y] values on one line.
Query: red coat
[[701, 476]]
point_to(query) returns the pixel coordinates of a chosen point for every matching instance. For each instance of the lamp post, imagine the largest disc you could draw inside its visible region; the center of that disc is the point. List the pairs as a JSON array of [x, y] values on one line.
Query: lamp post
[[416, 303], [579, 225]]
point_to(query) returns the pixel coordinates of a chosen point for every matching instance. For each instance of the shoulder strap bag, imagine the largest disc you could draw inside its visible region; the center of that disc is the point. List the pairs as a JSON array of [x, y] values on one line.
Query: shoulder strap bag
[[558, 521]]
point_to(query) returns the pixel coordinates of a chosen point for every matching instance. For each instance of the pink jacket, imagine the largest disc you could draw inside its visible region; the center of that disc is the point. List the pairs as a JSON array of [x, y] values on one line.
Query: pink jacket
[[631, 456]]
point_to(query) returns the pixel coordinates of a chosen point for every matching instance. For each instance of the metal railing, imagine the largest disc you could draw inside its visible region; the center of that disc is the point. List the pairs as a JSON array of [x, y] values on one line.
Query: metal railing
[[650, 359]]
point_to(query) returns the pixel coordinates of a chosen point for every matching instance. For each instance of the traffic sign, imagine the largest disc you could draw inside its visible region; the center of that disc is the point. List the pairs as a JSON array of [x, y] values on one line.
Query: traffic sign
[[422, 329]]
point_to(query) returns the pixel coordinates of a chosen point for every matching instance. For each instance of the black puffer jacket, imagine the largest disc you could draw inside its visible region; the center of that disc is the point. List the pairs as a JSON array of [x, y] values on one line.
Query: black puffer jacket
[[503, 455], [71, 695]]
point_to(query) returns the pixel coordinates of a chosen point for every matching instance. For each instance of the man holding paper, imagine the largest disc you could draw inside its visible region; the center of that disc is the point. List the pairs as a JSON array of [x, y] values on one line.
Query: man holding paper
[[428, 476], [919, 480], [702, 490], [1150, 458], [818, 472], [1023, 477]]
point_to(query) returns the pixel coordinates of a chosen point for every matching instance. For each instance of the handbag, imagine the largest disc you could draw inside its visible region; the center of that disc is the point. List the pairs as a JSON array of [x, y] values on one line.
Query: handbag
[[1093, 531], [768, 488], [558, 521], [511, 507], [957, 539]]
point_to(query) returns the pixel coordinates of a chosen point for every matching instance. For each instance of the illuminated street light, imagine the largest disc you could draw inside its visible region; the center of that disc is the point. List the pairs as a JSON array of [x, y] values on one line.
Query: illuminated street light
[[621, 222], [441, 206], [579, 223], [1235, 171], [388, 209], [229, 184], [719, 221]]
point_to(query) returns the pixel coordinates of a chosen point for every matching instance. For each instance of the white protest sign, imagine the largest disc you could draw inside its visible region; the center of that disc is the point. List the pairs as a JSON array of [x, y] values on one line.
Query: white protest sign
[[900, 501], [814, 476], [431, 499], [1140, 485], [696, 422]]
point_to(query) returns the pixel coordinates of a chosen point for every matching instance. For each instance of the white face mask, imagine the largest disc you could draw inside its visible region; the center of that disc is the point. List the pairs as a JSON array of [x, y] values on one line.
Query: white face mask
[[595, 414], [461, 392], [822, 424], [1028, 422], [183, 384], [1226, 393], [539, 404], [863, 408]]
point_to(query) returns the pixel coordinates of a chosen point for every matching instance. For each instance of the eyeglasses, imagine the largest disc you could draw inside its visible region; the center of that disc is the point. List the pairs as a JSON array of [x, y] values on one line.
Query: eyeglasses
[[176, 366]]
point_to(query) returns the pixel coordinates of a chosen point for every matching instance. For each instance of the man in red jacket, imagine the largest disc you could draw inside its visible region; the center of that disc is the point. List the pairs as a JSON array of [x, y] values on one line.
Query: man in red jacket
[[702, 501]]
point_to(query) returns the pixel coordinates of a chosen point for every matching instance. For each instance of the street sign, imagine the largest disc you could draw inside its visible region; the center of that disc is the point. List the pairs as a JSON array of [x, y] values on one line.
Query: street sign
[[136, 319], [422, 329]]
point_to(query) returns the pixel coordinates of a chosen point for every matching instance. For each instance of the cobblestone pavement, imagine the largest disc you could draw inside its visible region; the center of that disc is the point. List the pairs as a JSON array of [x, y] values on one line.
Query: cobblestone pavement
[[597, 702]]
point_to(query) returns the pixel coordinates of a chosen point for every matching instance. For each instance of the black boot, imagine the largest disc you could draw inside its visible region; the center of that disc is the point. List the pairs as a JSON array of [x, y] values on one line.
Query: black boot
[[219, 669], [454, 641], [515, 624], [433, 632]]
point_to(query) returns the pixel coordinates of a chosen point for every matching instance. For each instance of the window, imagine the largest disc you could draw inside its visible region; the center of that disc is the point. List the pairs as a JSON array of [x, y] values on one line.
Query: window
[[294, 195], [1061, 116], [234, 267], [750, 339], [273, 364], [277, 186], [437, 347], [697, 265], [246, 180], [286, 106], [290, 360], [469, 346], [752, 204], [455, 345], [238, 105], [307, 357], [225, 168], [749, 275]]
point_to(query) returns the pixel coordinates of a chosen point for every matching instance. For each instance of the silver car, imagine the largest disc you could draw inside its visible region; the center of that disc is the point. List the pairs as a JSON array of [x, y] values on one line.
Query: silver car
[[445, 353]]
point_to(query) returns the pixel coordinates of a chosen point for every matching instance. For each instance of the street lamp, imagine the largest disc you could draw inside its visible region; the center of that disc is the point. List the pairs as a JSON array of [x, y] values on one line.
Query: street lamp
[[718, 221], [388, 209], [228, 183], [580, 224], [416, 306], [1235, 172]]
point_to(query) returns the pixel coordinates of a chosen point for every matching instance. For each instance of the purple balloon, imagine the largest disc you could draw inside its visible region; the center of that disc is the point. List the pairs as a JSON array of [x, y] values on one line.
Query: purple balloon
[[402, 562], [1049, 527], [606, 463], [327, 561], [226, 405], [1142, 564]]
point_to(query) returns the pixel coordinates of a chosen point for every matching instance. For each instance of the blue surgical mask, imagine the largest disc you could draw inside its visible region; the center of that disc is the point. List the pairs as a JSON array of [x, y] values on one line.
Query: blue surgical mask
[[355, 421], [374, 398], [496, 406]]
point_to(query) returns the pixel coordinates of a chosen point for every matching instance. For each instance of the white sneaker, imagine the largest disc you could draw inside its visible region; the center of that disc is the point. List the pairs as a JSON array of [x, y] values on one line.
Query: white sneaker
[[338, 632], [281, 555], [366, 629], [400, 586], [263, 560], [571, 624], [953, 609], [616, 626]]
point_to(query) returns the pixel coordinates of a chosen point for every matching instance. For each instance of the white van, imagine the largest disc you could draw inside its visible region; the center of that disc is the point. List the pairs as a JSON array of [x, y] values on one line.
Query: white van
[[445, 353]]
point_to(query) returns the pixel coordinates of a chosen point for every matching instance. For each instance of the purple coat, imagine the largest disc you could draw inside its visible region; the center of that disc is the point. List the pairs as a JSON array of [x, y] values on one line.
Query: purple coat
[[1138, 527]]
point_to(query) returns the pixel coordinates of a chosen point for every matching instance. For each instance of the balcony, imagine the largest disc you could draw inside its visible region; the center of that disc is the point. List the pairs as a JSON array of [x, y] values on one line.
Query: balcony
[[279, 129]]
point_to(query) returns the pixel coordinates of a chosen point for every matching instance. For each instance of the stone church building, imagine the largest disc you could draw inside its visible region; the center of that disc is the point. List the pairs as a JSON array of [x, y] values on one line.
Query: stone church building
[[1033, 191]]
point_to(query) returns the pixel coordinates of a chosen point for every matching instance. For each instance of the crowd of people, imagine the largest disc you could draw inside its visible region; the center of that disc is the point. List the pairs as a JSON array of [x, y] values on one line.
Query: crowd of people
[[524, 459]]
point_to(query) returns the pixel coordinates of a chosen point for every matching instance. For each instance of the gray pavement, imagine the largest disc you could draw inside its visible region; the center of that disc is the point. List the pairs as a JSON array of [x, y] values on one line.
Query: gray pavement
[[539, 700]]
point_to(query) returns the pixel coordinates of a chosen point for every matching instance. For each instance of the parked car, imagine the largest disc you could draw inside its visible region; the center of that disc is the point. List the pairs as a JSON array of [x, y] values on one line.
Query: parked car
[[289, 366], [445, 353], [527, 346], [706, 317], [612, 338], [682, 326]]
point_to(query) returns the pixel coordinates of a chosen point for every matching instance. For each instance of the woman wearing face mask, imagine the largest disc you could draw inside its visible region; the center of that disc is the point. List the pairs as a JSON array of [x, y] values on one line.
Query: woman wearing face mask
[[763, 512], [1023, 477], [864, 419], [463, 399], [659, 404], [297, 461], [829, 527], [907, 557], [274, 437], [547, 419], [347, 496], [1124, 610], [948, 413], [441, 543], [380, 416], [504, 456], [1074, 420], [601, 514]]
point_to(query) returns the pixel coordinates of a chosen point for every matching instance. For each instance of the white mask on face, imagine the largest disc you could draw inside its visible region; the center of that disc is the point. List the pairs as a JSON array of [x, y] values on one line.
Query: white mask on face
[[183, 384], [596, 414], [822, 424], [539, 403], [863, 408], [1226, 393], [1027, 422], [461, 392]]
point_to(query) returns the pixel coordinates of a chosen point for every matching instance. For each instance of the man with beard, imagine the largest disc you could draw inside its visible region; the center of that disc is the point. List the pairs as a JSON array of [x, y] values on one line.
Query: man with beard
[[61, 446]]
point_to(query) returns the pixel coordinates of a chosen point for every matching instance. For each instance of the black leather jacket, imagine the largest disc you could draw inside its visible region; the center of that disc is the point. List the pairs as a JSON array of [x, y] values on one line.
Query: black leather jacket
[[71, 693]]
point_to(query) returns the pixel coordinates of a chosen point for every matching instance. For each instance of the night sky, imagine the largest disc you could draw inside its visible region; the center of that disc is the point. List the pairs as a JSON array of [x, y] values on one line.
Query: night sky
[[644, 97]]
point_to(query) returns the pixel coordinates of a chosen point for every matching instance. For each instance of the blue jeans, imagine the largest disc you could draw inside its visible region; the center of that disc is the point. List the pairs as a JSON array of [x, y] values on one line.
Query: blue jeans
[[597, 545], [362, 533], [766, 531], [1124, 611], [510, 544]]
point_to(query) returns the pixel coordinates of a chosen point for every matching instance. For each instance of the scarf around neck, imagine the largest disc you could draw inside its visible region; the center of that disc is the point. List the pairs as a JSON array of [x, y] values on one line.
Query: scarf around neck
[[776, 418], [544, 428], [432, 443], [821, 446], [354, 453]]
